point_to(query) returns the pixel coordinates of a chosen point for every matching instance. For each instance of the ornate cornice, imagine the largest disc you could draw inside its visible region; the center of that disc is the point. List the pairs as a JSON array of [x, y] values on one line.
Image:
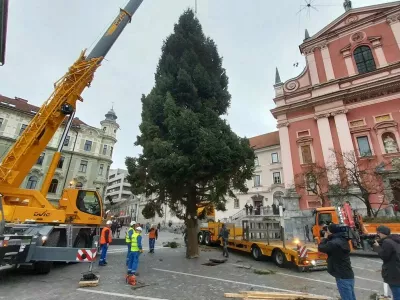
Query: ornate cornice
[[283, 124], [394, 18], [339, 112], [321, 116], [385, 124], [311, 49], [330, 114], [371, 90]]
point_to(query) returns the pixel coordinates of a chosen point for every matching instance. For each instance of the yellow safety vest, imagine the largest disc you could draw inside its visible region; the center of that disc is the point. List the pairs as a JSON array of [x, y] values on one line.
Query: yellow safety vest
[[134, 243], [127, 238]]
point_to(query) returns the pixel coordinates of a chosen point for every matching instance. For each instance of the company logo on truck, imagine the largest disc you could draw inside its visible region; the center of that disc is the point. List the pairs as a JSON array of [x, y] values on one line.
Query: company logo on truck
[[41, 214]]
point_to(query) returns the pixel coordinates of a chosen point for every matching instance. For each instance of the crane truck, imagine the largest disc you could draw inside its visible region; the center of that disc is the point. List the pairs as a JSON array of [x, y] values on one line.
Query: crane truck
[[33, 231], [361, 234]]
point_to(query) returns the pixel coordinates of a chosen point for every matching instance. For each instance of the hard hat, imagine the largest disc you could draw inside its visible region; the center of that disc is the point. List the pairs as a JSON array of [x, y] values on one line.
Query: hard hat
[[132, 223], [109, 222], [139, 229]]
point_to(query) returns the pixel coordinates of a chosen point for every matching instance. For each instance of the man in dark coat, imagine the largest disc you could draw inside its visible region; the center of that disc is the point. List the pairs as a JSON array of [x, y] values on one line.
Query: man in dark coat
[[224, 235], [388, 249], [337, 247]]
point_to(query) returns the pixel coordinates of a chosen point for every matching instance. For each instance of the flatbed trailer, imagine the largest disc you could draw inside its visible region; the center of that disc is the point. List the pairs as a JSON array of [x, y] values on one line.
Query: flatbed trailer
[[266, 239]]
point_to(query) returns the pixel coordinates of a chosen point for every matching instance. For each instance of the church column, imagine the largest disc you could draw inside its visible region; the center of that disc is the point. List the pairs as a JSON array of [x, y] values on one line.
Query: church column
[[325, 136], [326, 58], [286, 154], [344, 135], [394, 22], [312, 66]]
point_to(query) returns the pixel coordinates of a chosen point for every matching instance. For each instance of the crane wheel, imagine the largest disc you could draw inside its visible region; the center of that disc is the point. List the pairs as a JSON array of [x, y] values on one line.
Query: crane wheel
[[279, 258], [44, 267]]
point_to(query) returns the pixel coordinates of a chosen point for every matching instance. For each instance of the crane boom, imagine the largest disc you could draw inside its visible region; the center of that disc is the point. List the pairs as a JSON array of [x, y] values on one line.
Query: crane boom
[[62, 102]]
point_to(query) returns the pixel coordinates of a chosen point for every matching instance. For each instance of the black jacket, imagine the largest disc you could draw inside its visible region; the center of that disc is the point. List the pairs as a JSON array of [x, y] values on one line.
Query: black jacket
[[389, 252], [224, 233], [338, 250]]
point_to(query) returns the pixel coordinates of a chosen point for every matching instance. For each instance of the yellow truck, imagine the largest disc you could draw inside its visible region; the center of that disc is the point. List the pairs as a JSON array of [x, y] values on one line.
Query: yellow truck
[[265, 237]]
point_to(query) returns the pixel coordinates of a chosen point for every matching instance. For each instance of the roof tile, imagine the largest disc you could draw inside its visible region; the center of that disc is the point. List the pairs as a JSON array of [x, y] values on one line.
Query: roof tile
[[22, 105], [265, 140]]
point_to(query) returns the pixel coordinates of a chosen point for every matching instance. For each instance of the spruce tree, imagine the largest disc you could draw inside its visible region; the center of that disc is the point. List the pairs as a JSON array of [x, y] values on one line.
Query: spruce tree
[[190, 154]]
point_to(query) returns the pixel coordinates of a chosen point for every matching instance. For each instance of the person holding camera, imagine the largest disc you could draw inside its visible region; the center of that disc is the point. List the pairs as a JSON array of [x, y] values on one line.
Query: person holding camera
[[336, 246], [388, 249]]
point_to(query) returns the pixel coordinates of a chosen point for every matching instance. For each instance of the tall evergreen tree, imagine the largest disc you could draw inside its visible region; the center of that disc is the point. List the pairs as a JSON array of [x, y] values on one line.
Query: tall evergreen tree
[[190, 154]]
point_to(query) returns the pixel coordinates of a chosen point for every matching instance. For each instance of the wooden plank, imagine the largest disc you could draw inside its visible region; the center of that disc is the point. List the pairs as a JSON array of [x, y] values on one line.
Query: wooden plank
[[85, 283], [234, 295], [280, 295], [89, 283]]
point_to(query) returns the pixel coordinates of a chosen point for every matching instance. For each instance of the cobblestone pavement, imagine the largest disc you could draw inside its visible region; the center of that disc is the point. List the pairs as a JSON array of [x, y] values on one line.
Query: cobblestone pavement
[[170, 276]]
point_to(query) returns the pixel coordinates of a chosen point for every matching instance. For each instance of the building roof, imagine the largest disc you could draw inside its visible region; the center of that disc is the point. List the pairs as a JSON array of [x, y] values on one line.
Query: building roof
[[265, 140], [22, 105]]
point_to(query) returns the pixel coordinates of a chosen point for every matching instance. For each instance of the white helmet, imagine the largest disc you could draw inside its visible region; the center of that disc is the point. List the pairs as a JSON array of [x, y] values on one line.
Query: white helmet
[[109, 222], [139, 229], [132, 223]]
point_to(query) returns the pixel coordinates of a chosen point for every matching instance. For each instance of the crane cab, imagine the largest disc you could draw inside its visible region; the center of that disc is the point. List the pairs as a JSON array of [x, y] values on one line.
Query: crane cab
[[82, 206], [323, 217]]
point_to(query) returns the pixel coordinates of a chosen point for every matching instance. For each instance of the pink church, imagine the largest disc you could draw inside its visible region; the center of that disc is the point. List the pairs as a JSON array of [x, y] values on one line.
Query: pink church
[[347, 98]]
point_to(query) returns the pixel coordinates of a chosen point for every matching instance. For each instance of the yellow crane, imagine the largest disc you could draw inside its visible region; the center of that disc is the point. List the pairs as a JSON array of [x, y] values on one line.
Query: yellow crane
[[33, 231]]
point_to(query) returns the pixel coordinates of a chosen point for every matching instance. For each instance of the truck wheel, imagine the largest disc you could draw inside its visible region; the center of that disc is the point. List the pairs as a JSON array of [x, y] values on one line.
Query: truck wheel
[[200, 238], [256, 252], [279, 258], [44, 267], [207, 239]]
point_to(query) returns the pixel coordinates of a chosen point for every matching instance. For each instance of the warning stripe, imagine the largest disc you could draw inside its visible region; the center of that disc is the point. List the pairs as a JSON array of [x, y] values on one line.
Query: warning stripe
[[302, 250], [86, 255]]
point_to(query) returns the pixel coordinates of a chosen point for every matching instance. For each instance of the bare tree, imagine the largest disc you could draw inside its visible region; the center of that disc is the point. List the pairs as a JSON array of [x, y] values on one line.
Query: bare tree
[[344, 177], [314, 181], [359, 177]]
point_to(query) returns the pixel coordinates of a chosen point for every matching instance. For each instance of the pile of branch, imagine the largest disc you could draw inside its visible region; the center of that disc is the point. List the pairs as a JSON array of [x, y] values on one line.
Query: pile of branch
[[274, 295]]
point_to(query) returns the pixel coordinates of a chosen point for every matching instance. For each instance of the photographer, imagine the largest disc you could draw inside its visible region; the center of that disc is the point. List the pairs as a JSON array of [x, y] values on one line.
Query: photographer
[[337, 247], [388, 249]]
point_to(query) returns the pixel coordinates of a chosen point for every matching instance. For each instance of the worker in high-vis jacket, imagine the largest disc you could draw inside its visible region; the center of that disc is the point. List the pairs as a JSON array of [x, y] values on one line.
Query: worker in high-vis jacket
[[105, 240], [136, 249], [128, 239]]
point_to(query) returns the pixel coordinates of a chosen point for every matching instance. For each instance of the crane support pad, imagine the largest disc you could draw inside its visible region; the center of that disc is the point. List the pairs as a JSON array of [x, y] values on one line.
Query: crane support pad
[[63, 254], [14, 249]]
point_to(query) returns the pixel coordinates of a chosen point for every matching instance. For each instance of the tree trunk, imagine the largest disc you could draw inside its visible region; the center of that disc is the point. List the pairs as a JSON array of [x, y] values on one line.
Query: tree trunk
[[192, 250], [368, 205]]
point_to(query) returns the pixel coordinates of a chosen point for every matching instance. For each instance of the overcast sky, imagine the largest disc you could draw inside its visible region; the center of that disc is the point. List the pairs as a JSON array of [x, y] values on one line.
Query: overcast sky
[[45, 37]]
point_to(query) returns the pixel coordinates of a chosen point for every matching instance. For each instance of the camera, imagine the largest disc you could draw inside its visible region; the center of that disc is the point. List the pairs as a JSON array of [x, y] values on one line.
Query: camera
[[371, 238]]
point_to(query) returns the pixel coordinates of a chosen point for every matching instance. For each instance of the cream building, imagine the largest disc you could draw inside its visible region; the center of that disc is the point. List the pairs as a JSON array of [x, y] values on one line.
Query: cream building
[[86, 155], [266, 188]]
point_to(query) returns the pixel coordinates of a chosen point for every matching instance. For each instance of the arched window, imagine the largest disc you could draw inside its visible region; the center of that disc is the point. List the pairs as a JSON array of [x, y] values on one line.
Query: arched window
[[31, 184], [53, 186], [364, 59]]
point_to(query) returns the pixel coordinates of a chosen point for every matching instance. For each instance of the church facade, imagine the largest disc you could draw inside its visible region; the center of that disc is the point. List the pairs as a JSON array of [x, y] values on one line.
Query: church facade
[[346, 100]]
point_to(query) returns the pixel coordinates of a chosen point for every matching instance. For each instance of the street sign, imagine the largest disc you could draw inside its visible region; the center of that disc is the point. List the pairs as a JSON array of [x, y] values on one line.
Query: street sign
[[3, 29]]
